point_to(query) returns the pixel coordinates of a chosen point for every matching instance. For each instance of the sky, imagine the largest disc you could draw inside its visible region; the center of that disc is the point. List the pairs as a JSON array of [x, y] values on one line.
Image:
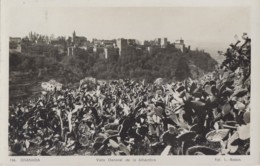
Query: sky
[[198, 26]]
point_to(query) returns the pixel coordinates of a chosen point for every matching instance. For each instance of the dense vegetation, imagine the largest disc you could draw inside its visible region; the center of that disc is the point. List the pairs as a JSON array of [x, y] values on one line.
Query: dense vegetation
[[44, 62], [204, 116]]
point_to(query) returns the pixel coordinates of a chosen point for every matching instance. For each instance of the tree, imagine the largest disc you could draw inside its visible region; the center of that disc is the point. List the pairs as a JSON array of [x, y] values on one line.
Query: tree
[[14, 60], [183, 71]]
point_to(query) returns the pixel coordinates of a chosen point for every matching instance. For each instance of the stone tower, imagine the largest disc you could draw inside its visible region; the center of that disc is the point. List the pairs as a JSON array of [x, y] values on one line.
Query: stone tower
[[122, 45], [73, 36]]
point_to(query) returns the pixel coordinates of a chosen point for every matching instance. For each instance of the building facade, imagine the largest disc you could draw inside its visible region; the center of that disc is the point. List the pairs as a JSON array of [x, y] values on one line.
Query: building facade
[[70, 51], [164, 42], [111, 53], [122, 46], [15, 44], [79, 41], [179, 44]]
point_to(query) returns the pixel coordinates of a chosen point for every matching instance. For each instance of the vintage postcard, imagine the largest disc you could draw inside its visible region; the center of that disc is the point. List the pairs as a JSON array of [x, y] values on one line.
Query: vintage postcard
[[135, 83]]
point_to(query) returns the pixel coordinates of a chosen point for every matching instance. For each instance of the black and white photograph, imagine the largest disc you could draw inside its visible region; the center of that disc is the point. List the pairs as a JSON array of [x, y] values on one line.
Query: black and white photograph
[[129, 81]]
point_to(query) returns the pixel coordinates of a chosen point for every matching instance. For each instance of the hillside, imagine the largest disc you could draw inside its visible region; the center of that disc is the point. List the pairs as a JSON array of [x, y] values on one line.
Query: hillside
[[28, 70]]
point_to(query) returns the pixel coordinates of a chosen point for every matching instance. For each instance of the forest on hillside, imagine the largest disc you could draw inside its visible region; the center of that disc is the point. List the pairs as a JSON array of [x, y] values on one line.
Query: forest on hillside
[[44, 62]]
